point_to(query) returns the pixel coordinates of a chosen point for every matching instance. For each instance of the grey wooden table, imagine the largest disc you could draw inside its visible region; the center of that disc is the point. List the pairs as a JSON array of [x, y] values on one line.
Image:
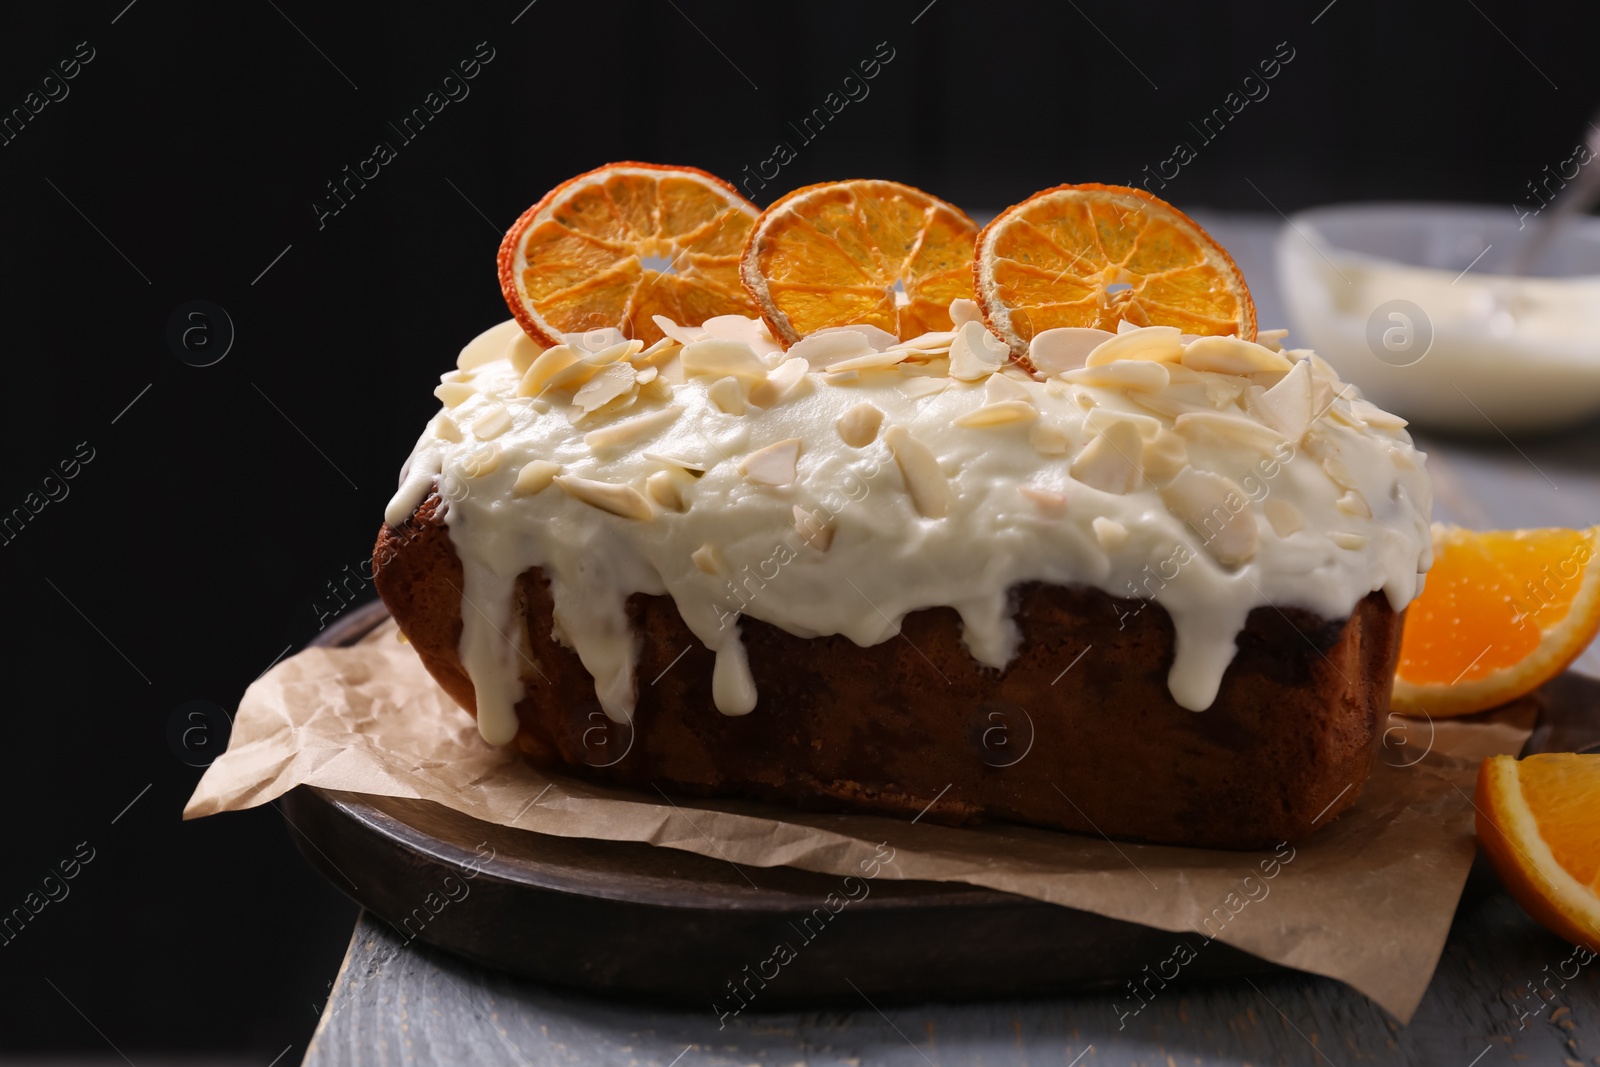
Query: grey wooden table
[[1505, 991]]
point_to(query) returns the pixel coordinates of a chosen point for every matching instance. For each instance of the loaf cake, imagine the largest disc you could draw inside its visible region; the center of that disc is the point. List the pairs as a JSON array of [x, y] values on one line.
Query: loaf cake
[[1144, 584]]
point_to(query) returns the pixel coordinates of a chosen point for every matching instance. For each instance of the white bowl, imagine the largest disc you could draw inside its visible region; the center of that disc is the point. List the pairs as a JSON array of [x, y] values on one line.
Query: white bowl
[[1405, 301]]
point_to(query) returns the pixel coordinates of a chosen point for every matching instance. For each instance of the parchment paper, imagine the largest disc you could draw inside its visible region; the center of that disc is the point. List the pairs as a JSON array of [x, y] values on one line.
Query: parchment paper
[[1367, 900]]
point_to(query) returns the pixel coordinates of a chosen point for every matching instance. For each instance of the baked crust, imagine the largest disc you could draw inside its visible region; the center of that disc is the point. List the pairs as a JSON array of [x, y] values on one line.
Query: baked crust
[[1079, 732]]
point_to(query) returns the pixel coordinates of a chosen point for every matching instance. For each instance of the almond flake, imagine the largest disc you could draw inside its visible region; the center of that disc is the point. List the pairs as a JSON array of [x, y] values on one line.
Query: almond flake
[[717, 358], [1284, 517], [869, 361], [456, 376], [482, 460], [1111, 534], [603, 388], [1232, 355], [453, 394], [693, 465], [726, 394], [1064, 348], [775, 464], [1002, 387], [492, 423], [1353, 503], [488, 346], [684, 335], [1047, 499], [963, 311], [821, 349], [630, 431], [1165, 455], [812, 530], [929, 489], [877, 337], [550, 362], [660, 352], [932, 342], [445, 428], [1353, 541], [1228, 429], [1286, 407], [919, 387], [1142, 374], [858, 427], [663, 488], [522, 351], [705, 559], [1217, 510], [976, 353], [1159, 344], [1048, 439], [534, 477], [623, 500], [646, 375], [1272, 339], [844, 377], [1376, 417], [1101, 419], [1113, 461], [779, 382], [1005, 413]]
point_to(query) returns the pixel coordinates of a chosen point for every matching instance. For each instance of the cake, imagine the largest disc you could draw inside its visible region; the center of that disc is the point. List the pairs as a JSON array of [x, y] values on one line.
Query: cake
[[1136, 582]]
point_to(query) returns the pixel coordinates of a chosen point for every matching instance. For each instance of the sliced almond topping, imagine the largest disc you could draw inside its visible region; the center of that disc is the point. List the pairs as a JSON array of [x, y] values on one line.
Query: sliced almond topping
[[1272, 339], [1353, 541], [1048, 439], [488, 346], [919, 387], [522, 351], [1229, 429], [1353, 503], [975, 353], [492, 423], [858, 427], [1047, 499], [1142, 374], [630, 431], [963, 311], [1005, 413], [694, 466], [684, 335], [445, 428], [1114, 461], [1217, 510], [844, 377], [790, 373], [727, 395], [821, 349], [1284, 516], [1064, 348], [868, 361], [705, 559], [1223, 390], [1157, 343], [1286, 407], [1376, 417], [1111, 534], [534, 477], [456, 376], [929, 489], [812, 530], [623, 500], [1333, 466], [546, 366], [1165, 455], [878, 338], [452, 394], [1002, 387], [611, 383], [662, 486], [1231, 355], [932, 341], [1102, 419], [656, 354], [775, 464], [658, 389], [483, 460], [646, 375], [716, 358]]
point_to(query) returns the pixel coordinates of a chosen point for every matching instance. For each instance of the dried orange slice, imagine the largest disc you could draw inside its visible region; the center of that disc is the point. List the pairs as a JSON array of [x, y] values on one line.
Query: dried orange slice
[[622, 243], [1502, 613], [1539, 822], [860, 252], [1098, 255]]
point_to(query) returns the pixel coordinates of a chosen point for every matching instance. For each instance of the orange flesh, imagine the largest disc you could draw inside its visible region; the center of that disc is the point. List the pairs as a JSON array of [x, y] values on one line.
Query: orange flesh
[[1563, 792], [866, 252], [1487, 601], [1056, 257], [585, 267]]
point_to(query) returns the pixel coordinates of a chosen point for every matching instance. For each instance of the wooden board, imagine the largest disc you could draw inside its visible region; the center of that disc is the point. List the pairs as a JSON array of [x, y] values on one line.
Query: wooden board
[[673, 926]]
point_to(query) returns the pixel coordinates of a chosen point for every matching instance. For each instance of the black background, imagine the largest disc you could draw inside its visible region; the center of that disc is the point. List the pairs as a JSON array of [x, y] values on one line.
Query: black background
[[199, 541]]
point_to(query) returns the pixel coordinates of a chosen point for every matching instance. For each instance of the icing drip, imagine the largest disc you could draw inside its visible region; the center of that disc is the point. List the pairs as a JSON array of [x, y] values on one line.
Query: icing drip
[[839, 486]]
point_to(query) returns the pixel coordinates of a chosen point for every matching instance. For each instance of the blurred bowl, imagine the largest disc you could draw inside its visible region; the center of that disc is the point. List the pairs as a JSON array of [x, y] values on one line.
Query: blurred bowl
[[1405, 301]]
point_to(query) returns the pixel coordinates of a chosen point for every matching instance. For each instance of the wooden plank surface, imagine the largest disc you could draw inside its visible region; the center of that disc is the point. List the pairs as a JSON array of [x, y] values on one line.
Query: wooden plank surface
[[1505, 992]]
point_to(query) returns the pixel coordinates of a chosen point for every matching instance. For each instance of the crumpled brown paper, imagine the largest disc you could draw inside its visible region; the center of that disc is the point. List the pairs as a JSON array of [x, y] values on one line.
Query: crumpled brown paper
[[1367, 900]]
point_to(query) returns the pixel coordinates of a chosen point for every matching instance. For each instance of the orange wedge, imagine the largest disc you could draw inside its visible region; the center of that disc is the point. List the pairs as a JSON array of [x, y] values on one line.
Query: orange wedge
[[615, 246], [1502, 613], [858, 253], [1539, 823], [1098, 255]]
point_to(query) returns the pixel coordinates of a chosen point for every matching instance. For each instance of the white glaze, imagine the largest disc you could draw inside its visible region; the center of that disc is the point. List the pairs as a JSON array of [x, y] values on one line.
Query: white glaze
[[1007, 508]]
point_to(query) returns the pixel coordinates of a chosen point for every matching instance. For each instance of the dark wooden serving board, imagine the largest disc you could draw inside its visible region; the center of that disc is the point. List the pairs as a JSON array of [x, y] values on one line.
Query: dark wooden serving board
[[673, 926]]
